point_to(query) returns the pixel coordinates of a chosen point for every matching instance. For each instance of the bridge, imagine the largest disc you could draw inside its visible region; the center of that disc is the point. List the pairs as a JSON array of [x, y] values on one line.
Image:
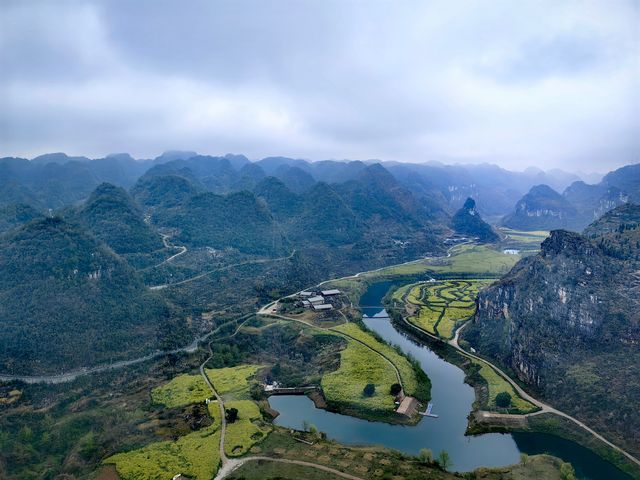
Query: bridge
[[292, 390]]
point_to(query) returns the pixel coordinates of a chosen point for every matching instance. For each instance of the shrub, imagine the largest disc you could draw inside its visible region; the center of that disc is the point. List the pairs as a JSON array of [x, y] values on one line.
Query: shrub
[[396, 388], [231, 414], [503, 399], [425, 455], [369, 390]]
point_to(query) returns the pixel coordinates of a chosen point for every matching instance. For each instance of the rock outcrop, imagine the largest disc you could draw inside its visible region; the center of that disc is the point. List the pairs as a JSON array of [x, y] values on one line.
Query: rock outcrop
[[567, 322]]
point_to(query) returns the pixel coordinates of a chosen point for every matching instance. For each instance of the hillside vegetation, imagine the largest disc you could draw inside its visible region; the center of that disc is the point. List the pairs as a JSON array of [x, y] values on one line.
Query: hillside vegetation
[[567, 323]]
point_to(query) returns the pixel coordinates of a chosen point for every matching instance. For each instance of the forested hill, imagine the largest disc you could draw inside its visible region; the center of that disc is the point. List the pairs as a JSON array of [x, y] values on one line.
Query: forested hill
[[567, 321], [56, 180], [16, 214], [467, 221], [68, 300], [112, 216]]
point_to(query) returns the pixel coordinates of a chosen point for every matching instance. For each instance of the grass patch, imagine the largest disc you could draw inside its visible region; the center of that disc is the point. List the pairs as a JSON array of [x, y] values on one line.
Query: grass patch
[[496, 384], [232, 382], [474, 260], [195, 455], [181, 390], [247, 430], [407, 373], [358, 367]]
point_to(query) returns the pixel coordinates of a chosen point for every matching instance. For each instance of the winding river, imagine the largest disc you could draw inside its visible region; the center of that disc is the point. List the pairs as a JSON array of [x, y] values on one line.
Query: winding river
[[452, 400]]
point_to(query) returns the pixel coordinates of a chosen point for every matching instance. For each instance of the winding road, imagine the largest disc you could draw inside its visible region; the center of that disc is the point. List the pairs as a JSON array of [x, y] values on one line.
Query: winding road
[[544, 407], [228, 465]]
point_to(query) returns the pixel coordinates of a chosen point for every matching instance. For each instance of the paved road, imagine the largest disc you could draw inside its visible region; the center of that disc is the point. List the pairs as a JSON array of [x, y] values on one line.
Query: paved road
[[544, 408], [236, 463], [222, 269], [73, 374]]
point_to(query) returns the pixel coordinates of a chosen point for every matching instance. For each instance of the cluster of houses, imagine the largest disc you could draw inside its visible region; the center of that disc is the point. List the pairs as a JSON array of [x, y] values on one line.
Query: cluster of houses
[[319, 300]]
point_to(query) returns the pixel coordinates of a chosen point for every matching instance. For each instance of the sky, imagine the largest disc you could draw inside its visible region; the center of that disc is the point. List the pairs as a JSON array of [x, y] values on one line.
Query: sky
[[552, 84]]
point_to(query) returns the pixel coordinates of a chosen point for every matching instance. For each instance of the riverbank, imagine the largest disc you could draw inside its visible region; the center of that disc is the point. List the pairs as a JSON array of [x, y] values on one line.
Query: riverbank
[[481, 422]]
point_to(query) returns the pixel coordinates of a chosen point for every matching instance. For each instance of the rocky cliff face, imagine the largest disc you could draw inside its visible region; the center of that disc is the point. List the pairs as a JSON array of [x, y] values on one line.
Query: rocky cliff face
[[567, 322], [542, 209]]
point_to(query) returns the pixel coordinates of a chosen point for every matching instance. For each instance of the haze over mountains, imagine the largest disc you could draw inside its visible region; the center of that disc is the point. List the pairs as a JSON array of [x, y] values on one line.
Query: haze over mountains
[[105, 219]]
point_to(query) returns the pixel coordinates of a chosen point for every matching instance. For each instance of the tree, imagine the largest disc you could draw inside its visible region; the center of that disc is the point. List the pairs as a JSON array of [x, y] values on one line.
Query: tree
[[396, 388], [305, 426], [369, 390], [567, 472], [231, 414], [444, 460], [523, 458], [503, 399], [425, 455]]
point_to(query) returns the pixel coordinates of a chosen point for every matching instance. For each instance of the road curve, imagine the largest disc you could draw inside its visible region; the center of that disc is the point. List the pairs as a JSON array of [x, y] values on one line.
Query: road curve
[[235, 464], [544, 408]]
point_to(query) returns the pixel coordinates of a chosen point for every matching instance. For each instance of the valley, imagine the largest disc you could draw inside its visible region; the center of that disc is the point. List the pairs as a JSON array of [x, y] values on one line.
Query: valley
[[447, 294]]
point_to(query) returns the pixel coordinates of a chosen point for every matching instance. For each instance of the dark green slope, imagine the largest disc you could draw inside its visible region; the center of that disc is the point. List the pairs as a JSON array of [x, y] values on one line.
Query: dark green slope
[[467, 221], [111, 215], [281, 201], [163, 191], [237, 220], [567, 322], [16, 214], [66, 300], [324, 217]]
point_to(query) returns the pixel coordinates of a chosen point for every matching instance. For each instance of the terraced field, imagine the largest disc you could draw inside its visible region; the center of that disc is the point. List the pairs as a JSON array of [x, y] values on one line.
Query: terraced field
[[439, 306]]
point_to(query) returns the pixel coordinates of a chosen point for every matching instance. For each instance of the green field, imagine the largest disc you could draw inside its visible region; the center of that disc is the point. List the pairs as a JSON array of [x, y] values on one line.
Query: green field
[[358, 367], [497, 384], [196, 455], [232, 382], [474, 260], [181, 390], [407, 373], [247, 430]]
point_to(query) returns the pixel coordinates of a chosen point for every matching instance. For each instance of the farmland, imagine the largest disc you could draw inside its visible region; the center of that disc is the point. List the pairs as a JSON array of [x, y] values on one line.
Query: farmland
[[438, 307], [232, 382], [247, 430], [196, 455], [496, 384], [359, 366], [181, 390], [410, 382]]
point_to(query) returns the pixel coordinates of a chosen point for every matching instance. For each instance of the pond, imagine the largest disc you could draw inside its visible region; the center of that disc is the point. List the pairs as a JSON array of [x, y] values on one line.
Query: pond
[[452, 400]]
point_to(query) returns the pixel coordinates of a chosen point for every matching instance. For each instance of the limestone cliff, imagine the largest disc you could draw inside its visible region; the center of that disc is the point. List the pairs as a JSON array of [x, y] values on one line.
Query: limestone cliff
[[567, 322]]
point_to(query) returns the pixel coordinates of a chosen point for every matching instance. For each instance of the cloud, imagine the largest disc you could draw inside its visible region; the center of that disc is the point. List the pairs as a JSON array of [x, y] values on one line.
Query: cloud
[[542, 83]]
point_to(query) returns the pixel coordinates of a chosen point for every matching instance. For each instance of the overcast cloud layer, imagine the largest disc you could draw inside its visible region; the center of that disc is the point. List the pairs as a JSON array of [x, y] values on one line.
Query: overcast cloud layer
[[547, 83]]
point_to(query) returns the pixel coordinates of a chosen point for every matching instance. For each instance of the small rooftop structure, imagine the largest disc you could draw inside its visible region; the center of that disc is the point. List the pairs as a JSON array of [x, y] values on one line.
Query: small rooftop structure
[[407, 406], [316, 299], [323, 306], [306, 294], [327, 293]]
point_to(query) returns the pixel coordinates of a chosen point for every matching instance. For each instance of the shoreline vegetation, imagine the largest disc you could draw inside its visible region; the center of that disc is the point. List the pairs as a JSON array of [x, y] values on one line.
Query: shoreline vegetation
[[253, 435], [463, 263]]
